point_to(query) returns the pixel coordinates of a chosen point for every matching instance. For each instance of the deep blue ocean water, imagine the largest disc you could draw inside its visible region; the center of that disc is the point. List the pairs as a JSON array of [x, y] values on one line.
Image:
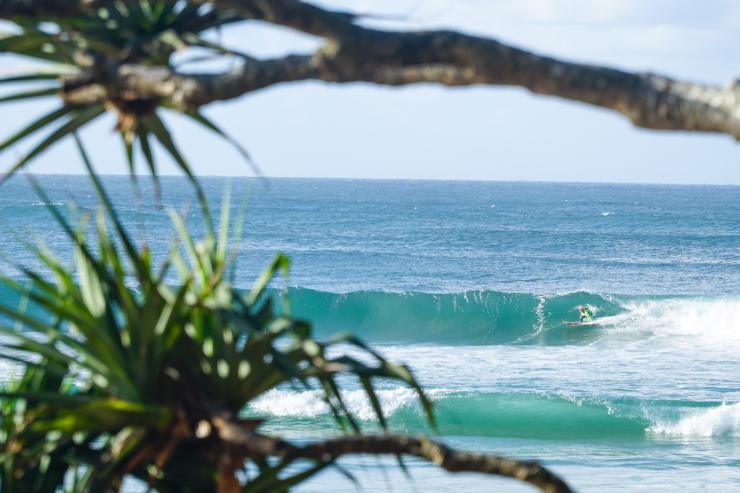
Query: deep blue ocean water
[[469, 282]]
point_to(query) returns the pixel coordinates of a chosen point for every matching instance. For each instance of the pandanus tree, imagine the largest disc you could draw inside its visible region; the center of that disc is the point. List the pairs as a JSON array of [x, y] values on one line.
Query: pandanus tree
[[129, 373]]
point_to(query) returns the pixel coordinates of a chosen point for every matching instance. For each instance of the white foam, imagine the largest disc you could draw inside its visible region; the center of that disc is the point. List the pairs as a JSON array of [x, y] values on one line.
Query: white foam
[[718, 421], [38, 203], [309, 403], [707, 320]]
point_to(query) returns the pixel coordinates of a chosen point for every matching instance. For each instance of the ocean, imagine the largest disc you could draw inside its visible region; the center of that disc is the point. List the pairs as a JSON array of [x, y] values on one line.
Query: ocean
[[469, 283]]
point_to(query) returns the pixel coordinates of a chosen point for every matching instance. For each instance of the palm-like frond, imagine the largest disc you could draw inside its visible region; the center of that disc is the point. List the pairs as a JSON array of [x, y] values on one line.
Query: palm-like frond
[[145, 32], [118, 358]]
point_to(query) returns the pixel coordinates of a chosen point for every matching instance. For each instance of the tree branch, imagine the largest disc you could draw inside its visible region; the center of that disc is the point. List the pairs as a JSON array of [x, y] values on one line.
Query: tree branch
[[357, 54], [254, 445], [354, 53], [127, 81], [648, 100], [448, 459]]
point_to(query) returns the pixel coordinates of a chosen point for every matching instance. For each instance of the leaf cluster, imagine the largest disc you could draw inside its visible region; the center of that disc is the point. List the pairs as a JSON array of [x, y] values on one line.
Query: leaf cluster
[[77, 50]]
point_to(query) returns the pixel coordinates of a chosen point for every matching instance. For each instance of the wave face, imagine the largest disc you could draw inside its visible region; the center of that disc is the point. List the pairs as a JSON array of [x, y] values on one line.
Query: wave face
[[473, 317], [493, 317], [514, 415]]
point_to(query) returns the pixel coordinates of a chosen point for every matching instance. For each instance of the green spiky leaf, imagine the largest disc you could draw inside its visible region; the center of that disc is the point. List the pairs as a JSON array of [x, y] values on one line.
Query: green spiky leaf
[[78, 119]]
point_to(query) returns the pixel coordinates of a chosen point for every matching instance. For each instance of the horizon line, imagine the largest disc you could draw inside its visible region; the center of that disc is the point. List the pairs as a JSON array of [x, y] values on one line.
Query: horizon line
[[472, 180]]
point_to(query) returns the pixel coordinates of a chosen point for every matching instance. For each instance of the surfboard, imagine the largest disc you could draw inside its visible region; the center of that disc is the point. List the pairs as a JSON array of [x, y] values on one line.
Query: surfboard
[[581, 324]]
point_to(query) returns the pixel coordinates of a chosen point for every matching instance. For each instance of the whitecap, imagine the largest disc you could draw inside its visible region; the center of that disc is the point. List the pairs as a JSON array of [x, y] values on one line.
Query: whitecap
[[39, 203], [718, 421], [713, 320], [308, 404]]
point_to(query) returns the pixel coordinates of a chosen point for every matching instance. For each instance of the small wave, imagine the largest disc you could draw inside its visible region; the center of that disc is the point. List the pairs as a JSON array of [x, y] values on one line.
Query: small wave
[[512, 415], [462, 414], [715, 422]]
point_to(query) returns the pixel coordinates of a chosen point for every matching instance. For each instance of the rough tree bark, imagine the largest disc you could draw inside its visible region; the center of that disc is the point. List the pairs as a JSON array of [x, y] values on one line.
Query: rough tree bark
[[354, 53]]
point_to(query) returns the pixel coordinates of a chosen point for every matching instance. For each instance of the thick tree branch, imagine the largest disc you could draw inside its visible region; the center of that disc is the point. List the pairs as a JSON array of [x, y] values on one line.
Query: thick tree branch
[[451, 59], [354, 53], [444, 457], [183, 91], [250, 444]]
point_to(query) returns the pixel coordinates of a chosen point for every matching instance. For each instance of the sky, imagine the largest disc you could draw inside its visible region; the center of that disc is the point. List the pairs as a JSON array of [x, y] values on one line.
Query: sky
[[315, 129]]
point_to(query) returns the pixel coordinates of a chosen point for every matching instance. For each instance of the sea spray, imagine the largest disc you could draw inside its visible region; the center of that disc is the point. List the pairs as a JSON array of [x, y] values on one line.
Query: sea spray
[[722, 421], [715, 319]]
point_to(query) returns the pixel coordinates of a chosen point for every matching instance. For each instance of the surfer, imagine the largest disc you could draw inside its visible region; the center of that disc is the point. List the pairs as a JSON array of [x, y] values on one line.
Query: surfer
[[586, 313]]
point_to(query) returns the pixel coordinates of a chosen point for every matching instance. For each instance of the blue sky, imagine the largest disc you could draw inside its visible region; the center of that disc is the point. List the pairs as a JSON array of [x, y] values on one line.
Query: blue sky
[[481, 133]]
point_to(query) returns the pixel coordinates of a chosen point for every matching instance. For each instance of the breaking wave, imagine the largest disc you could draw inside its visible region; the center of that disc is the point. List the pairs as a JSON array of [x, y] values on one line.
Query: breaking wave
[[720, 421], [493, 317]]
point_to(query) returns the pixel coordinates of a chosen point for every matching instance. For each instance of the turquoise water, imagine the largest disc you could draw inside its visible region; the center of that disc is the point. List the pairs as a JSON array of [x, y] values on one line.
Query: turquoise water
[[468, 282]]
